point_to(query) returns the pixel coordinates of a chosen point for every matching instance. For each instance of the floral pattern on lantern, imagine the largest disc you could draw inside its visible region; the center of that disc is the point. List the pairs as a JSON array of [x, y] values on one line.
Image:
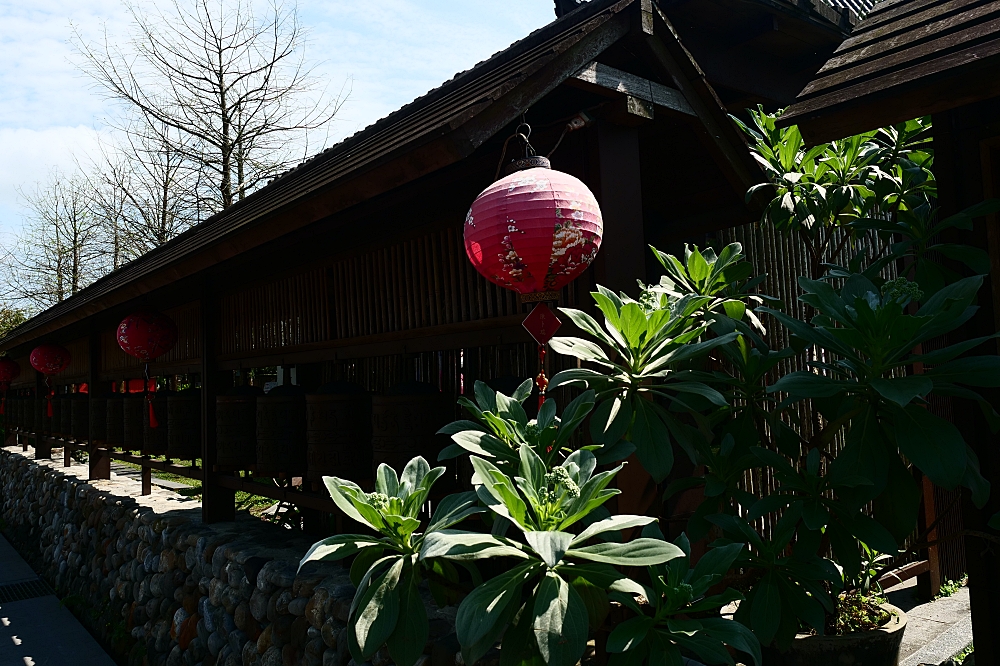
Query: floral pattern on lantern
[[50, 359], [534, 230], [147, 335]]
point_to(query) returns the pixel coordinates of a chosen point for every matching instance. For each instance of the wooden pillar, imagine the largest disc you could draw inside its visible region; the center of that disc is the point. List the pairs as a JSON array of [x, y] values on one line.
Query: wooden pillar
[[43, 447], [217, 504], [967, 166], [622, 259], [100, 463]]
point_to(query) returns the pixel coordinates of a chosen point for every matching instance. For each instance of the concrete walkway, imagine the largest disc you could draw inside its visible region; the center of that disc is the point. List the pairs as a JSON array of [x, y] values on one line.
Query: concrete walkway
[[35, 630], [935, 630]]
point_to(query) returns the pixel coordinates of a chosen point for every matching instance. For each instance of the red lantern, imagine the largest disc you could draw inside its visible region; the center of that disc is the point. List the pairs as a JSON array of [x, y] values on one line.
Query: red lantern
[[147, 335], [49, 359], [534, 231], [9, 371]]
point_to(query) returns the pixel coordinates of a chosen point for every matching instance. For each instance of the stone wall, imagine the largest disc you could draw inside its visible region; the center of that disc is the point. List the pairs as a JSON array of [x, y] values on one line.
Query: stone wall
[[158, 587]]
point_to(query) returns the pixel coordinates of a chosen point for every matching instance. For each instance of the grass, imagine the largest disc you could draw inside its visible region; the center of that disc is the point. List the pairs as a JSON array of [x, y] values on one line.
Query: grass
[[950, 587], [960, 657]]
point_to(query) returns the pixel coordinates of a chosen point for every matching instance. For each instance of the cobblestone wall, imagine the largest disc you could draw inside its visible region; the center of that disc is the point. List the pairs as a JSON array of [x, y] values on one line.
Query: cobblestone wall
[[158, 587]]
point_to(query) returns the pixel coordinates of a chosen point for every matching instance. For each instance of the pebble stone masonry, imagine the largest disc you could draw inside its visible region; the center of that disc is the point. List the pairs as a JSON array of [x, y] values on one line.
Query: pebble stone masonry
[[160, 588]]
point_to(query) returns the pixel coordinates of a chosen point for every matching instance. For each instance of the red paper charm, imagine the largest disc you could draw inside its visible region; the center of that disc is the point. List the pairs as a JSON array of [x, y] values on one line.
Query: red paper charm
[[533, 231]]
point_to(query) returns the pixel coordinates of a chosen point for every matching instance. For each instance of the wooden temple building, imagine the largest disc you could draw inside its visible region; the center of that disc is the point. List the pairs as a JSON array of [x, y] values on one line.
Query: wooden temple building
[[350, 267], [912, 58]]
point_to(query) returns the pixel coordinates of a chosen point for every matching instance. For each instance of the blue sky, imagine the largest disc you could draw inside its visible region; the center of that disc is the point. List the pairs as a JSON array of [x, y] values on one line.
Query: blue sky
[[390, 51]]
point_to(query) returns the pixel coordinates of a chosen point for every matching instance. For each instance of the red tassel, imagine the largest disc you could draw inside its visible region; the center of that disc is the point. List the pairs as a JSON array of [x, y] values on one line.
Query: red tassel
[[153, 423]]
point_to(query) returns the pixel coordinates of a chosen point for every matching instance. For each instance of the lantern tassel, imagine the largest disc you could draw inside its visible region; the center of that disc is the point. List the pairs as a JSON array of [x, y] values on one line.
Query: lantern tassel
[[541, 380], [153, 423]]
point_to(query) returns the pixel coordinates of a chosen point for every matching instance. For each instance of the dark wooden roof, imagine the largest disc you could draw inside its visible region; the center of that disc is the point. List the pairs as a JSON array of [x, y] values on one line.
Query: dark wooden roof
[[437, 130], [908, 58]]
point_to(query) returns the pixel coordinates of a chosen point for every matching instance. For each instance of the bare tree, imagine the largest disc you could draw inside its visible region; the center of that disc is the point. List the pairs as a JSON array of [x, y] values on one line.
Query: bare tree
[[59, 250], [145, 191], [228, 91]]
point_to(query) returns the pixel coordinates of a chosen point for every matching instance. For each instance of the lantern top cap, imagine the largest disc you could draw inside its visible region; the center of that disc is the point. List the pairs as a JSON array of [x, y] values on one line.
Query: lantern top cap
[[525, 163]]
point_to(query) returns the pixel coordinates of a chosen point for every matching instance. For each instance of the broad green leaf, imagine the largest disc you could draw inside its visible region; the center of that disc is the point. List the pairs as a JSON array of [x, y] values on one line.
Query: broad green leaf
[[766, 610], [934, 445], [375, 618], [586, 323], [902, 390], [484, 613], [970, 371], [386, 481], [338, 547], [652, 441], [620, 522], [636, 553], [734, 635], [453, 509], [627, 635], [585, 350], [560, 622], [802, 384], [595, 599], [457, 545], [717, 561], [406, 644], [343, 493], [413, 475], [870, 532], [550, 546]]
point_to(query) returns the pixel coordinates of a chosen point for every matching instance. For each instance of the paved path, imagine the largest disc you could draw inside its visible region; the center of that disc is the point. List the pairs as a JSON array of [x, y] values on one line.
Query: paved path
[[35, 630], [936, 630]]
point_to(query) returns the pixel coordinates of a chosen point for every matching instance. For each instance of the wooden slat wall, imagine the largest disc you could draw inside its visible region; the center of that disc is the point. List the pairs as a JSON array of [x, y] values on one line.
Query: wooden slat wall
[[187, 350], [27, 377], [287, 312], [426, 281]]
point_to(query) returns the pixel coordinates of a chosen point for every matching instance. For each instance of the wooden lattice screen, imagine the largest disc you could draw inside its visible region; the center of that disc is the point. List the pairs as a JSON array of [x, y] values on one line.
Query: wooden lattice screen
[[288, 312], [426, 281]]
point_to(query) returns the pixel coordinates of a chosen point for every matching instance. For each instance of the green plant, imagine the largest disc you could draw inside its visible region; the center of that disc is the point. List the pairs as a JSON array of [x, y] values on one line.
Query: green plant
[[557, 585], [681, 613], [387, 608], [502, 426], [646, 363], [950, 587]]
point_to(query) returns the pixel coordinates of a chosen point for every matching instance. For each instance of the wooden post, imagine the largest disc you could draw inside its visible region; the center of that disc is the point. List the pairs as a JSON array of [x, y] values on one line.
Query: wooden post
[[622, 261], [218, 504], [967, 166], [43, 448], [100, 463]]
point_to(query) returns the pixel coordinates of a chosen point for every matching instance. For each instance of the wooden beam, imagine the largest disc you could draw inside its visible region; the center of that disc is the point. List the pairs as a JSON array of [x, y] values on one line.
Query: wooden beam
[[723, 137], [609, 79]]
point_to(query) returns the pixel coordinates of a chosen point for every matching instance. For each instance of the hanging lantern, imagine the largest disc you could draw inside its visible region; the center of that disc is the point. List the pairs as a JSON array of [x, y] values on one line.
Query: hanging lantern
[[147, 335], [534, 231], [9, 371], [50, 360]]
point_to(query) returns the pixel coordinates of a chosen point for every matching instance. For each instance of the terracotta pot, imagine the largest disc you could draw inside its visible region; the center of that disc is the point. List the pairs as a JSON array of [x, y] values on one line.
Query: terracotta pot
[[869, 648]]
